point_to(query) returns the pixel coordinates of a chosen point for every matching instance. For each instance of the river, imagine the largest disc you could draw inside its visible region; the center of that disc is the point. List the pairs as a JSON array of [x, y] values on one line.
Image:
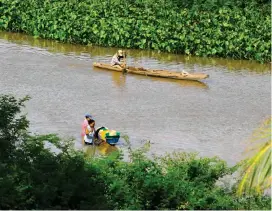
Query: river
[[215, 117]]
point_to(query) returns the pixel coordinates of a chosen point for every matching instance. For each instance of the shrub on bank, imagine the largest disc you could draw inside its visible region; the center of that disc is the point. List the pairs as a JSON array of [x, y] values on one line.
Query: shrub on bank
[[232, 28], [33, 176]]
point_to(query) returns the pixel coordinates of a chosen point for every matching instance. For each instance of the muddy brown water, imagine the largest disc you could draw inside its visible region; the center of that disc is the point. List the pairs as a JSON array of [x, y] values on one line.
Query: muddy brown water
[[214, 117]]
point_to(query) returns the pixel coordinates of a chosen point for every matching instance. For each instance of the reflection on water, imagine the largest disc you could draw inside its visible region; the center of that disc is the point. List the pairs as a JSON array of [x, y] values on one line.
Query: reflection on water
[[91, 51], [119, 79], [183, 83], [101, 149]]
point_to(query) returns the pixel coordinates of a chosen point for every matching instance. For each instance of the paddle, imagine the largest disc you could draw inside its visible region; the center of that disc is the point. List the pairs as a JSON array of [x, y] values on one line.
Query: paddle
[[125, 58], [125, 62]]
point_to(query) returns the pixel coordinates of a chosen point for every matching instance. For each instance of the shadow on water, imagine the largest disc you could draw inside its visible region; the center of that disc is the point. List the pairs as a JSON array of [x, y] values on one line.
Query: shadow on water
[[95, 51]]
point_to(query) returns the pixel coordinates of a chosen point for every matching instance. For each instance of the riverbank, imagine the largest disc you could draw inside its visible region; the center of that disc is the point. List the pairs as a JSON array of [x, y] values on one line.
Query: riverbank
[[233, 29]]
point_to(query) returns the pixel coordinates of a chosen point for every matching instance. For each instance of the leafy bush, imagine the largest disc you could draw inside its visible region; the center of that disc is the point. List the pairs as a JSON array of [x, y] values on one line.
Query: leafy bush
[[232, 28], [32, 177], [180, 181], [35, 176]]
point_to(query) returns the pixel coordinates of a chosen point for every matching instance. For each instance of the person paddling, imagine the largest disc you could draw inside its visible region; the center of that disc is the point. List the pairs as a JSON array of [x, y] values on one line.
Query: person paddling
[[116, 59]]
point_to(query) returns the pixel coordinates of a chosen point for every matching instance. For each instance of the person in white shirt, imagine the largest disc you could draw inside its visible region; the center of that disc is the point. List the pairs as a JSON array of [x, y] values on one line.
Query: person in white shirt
[[116, 59], [89, 132]]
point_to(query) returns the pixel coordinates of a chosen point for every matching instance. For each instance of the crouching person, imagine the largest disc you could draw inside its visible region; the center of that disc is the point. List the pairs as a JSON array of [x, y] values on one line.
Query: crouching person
[[116, 59]]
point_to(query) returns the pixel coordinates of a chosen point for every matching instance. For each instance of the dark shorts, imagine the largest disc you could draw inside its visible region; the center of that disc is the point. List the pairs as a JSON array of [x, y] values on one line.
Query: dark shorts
[[88, 143]]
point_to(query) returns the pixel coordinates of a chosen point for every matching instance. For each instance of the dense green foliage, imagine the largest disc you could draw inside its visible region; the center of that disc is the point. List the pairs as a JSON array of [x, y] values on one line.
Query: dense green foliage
[[238, 29], [36, 176]]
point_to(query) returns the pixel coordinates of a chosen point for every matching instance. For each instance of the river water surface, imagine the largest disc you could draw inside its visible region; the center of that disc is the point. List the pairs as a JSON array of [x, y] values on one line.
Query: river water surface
[[212, 117]]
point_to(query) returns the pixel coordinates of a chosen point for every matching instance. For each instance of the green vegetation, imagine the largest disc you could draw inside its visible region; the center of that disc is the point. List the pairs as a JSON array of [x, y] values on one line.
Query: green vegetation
[[33, 176], [237, 29], [257, 169]]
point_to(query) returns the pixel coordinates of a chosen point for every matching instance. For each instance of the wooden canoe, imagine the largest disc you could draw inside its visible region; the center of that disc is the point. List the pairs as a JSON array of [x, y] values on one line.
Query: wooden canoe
[[154, 73]]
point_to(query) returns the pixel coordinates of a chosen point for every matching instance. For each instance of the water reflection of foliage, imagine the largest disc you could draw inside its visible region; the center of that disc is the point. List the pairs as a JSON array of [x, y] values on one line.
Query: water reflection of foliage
[[167, 58]]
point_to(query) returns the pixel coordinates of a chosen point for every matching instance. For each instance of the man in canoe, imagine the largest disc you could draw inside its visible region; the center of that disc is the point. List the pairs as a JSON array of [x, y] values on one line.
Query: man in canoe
[[116, 59]]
